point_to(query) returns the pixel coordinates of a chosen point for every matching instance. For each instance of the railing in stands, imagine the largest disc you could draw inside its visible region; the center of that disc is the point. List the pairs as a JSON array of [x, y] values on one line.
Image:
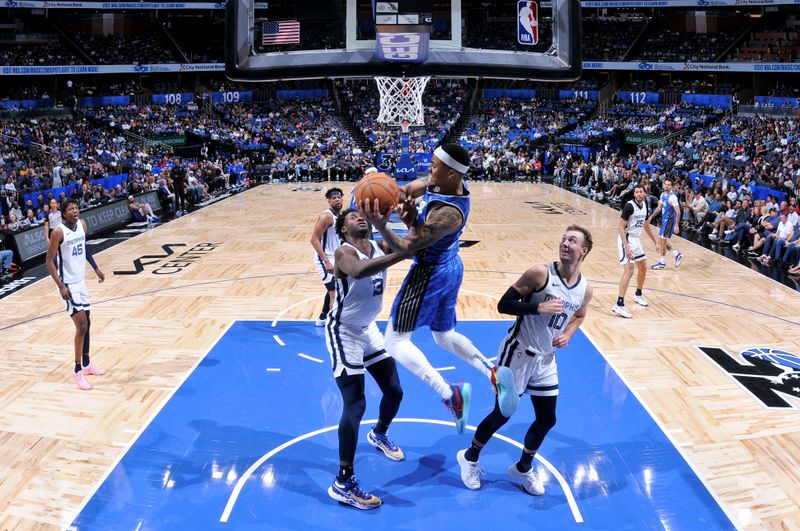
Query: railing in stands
[[36, 145]]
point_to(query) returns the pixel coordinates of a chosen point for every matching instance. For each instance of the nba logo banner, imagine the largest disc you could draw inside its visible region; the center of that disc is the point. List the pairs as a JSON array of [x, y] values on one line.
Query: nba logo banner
[[527, 23]]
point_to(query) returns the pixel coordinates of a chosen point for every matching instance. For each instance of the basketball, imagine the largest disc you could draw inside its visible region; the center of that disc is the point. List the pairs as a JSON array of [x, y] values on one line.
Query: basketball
[[378, 186]]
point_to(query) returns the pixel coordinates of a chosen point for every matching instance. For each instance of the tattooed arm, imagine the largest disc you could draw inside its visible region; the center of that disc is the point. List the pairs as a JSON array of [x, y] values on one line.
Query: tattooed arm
[[441, 221]]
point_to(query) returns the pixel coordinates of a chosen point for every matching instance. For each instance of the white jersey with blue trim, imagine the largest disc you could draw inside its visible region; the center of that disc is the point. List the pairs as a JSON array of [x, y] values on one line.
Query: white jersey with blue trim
[[71, 259], [330, 241], [536, 332], [636, 216], [359, 301]]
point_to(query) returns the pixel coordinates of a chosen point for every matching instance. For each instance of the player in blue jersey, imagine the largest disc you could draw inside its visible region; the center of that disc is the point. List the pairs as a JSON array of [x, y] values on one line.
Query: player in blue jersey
[[670, 217], [429, 292]]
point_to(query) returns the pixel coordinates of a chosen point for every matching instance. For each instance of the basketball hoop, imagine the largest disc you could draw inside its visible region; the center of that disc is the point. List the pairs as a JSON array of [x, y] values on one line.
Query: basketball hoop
[[401, 101]]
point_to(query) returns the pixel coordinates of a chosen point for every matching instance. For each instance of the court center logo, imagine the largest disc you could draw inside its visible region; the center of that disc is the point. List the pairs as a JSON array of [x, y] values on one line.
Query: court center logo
[[172, 265], [771, 375]]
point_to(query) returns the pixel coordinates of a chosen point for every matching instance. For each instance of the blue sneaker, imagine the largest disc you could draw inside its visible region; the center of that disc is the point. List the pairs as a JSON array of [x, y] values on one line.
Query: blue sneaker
[[503, 383], [658, 265], [350, 493], [458, 404], [385, 445], [678, 260]]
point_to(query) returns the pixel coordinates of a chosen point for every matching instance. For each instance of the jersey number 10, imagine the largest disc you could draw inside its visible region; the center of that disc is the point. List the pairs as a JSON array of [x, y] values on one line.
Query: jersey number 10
[[557, 321]]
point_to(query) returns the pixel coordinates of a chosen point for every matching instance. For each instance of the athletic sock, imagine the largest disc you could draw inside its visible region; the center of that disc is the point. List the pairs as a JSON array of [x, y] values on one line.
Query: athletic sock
[[473, 453], [621, 301], [525, 462], [638, 292], [675, 251], [77, 367], [380, 428], [85, 358], [345, 473]]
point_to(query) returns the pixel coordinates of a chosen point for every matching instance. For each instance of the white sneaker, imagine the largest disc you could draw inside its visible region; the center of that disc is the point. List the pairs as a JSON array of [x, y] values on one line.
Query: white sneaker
[[529, 481], [319, 322], [470, 472], [639, 299], [622, 311]]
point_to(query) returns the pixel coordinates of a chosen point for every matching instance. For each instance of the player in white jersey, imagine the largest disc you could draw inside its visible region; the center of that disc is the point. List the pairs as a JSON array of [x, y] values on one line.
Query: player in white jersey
[[631, 223], [67, 254], [356, 345], [550, 302], [325, 242], [670, 211]]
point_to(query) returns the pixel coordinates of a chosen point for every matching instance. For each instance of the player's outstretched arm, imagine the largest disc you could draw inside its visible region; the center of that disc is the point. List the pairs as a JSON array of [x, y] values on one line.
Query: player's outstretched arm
[[348, 263]]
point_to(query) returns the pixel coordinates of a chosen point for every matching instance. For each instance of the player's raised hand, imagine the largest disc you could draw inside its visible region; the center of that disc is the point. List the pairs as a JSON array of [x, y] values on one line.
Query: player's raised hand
[[408, 210], [372, 211], [552, 306]]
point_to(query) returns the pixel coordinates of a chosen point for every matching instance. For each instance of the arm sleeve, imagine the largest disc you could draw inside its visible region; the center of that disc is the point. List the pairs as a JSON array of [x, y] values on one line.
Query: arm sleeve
[[90, 257], [627, 211], [511, 304]]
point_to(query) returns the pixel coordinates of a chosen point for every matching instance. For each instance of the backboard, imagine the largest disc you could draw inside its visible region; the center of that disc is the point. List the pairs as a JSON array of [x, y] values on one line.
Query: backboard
[[465, 38]]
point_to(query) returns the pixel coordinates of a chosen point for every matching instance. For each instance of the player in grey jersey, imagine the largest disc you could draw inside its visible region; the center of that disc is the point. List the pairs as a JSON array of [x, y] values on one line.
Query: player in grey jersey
[[550, 302], [356, 346], [633, 220]]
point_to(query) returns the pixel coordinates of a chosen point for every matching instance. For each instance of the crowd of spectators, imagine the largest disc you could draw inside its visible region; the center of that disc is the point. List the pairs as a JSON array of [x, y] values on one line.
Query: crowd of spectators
[[142, 47], [609, 38], [37, 54], [304, 140], [720, 173], [666, 45]]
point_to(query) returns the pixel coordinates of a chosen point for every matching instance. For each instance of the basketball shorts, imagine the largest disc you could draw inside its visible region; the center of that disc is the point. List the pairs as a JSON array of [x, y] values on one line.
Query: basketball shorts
[[636, 247], [324, 274], [428, 297], [667, 225], [80, 298], [535, 374], [353, 348]]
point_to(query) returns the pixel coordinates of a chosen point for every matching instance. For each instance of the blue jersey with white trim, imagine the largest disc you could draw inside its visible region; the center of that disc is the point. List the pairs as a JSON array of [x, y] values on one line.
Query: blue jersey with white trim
[[446, 248], [667, 210]]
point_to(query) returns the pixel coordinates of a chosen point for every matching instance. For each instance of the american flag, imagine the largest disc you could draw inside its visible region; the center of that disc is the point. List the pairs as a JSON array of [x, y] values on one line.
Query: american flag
[[280, 32]]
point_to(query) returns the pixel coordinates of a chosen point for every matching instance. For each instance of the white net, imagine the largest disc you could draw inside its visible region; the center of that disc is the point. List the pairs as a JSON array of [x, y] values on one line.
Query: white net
[[401, 100]]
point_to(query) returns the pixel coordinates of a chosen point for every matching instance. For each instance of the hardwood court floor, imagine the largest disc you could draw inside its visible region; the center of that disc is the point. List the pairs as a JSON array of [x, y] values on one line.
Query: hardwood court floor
[[249, 257]]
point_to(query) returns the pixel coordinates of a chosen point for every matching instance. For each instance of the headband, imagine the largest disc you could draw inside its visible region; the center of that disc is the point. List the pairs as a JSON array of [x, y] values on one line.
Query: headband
[[445, 157]]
